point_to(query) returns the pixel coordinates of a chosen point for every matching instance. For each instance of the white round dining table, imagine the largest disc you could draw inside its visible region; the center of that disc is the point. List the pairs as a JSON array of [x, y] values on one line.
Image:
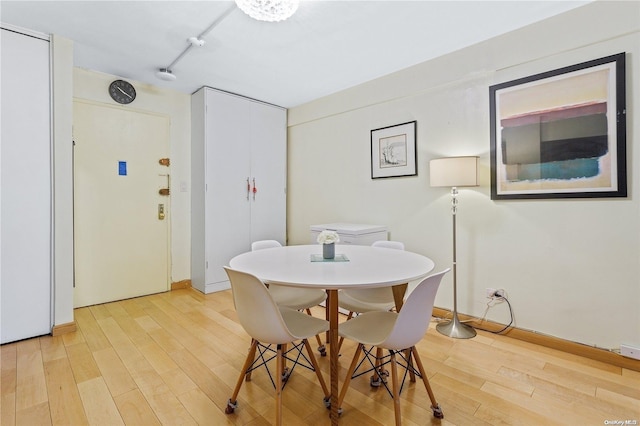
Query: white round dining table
[[354, 267]]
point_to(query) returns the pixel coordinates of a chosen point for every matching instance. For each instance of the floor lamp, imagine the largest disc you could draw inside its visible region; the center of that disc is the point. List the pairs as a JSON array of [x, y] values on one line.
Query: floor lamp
[[454, 172]]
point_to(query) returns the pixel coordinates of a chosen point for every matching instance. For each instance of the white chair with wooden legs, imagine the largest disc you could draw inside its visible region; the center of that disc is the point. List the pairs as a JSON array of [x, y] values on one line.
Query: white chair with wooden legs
[[369, 299], [395, 332], [269, 324], [358, 301], [295, 298]]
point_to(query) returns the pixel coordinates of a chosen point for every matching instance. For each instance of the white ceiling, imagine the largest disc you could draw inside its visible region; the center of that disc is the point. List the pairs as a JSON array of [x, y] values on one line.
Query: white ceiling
[[327, 46]]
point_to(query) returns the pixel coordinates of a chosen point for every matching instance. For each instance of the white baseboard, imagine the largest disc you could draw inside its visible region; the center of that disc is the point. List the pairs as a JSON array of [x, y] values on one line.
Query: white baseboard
[[221, 286]]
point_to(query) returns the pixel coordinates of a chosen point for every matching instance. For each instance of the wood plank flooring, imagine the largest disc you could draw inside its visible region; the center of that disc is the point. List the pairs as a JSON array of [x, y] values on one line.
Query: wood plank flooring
[[173, 359]]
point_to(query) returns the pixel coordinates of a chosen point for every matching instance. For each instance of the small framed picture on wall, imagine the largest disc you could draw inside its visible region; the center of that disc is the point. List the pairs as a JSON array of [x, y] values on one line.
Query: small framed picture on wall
[[393, 151]]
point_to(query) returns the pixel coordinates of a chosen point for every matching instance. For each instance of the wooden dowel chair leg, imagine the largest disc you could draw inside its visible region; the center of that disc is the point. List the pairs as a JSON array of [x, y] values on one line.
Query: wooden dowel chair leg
[[379, 374], [437, 411], [252, 356], [347, 379], [395, 389], [321, 347], [412, 375], [279, 372], [349, 316], [283, 362], [316, 367], [326, 316], [231, 404]]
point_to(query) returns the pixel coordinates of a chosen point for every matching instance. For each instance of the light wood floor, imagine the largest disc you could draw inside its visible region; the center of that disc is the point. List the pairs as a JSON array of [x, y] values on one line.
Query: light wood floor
[[173, 359]]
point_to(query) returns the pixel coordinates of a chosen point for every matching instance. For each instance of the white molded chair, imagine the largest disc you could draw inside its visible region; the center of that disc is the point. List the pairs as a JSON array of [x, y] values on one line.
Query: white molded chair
[[369, 299], [396, 332], [268, 324], [291, 297]]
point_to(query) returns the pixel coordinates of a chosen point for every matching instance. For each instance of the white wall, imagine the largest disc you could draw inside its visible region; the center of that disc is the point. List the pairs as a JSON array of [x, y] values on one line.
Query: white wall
[[93, 86], [571, 268]]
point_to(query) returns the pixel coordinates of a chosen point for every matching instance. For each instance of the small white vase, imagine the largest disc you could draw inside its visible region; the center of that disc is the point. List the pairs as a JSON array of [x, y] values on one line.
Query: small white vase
[[329, 251]]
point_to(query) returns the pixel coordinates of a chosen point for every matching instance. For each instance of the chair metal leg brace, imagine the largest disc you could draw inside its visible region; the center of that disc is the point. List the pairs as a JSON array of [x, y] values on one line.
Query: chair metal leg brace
[[261, 350], [380, 374]]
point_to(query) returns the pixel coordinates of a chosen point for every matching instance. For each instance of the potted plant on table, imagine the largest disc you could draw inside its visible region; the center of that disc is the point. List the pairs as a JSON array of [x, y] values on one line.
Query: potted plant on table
[[328, 239]]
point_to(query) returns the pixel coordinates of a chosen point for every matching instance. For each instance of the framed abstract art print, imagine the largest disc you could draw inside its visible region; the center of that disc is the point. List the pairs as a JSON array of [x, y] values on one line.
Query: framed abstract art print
[[561, 133]]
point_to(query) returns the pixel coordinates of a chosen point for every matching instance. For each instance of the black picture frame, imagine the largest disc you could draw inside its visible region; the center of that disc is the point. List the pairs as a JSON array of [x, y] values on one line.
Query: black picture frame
[[561, 133], [394, 151]]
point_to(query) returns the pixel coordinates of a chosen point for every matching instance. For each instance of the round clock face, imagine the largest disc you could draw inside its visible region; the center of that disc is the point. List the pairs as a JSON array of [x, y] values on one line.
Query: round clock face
[[122, 92]]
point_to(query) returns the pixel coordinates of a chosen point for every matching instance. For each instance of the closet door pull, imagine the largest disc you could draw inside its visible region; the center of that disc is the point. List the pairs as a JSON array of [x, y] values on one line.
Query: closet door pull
[[254, 190], [248, 189]]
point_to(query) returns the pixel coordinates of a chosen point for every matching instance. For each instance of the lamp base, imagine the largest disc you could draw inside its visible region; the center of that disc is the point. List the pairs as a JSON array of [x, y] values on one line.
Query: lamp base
[[456, 329]]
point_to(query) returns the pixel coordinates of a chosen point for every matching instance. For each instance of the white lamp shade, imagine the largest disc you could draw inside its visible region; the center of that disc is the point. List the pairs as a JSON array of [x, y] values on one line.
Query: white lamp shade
[[453, 171]]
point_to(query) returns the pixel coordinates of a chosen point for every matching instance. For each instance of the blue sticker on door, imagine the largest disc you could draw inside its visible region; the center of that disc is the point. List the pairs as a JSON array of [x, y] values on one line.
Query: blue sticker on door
[[122, 168]]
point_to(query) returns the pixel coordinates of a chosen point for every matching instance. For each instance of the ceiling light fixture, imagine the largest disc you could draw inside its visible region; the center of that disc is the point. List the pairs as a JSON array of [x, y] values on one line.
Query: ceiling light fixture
[[269, 10], [165, 74]]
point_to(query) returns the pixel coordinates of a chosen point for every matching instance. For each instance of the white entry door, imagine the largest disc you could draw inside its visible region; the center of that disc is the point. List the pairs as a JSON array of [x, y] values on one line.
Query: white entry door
[[121, 220]]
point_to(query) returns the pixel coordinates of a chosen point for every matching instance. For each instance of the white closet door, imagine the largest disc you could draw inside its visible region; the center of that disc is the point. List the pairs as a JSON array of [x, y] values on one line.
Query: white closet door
[[269, 169], [227, 152], [25, 151]]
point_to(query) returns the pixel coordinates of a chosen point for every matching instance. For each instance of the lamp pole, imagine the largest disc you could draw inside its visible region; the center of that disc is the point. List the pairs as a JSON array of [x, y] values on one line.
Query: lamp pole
[[455, 328]]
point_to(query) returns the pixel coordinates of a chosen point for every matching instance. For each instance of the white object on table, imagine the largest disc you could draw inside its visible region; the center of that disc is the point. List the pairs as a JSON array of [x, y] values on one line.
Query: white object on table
[[352, 233]]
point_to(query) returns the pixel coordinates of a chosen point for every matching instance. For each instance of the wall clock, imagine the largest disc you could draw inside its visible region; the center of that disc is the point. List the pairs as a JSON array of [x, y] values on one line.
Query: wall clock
[[122, 91]]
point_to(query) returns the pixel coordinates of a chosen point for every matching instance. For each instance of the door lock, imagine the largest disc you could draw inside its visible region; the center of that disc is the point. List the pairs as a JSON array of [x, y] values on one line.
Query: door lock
[[160, 211], [165, 191]]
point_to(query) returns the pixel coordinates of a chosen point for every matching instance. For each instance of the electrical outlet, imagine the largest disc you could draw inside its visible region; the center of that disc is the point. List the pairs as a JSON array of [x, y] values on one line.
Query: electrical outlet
[[496, 295], [630, 351]]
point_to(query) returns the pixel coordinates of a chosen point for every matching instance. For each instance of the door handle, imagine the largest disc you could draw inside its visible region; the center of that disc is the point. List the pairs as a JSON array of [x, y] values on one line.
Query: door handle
[[254, 190]]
